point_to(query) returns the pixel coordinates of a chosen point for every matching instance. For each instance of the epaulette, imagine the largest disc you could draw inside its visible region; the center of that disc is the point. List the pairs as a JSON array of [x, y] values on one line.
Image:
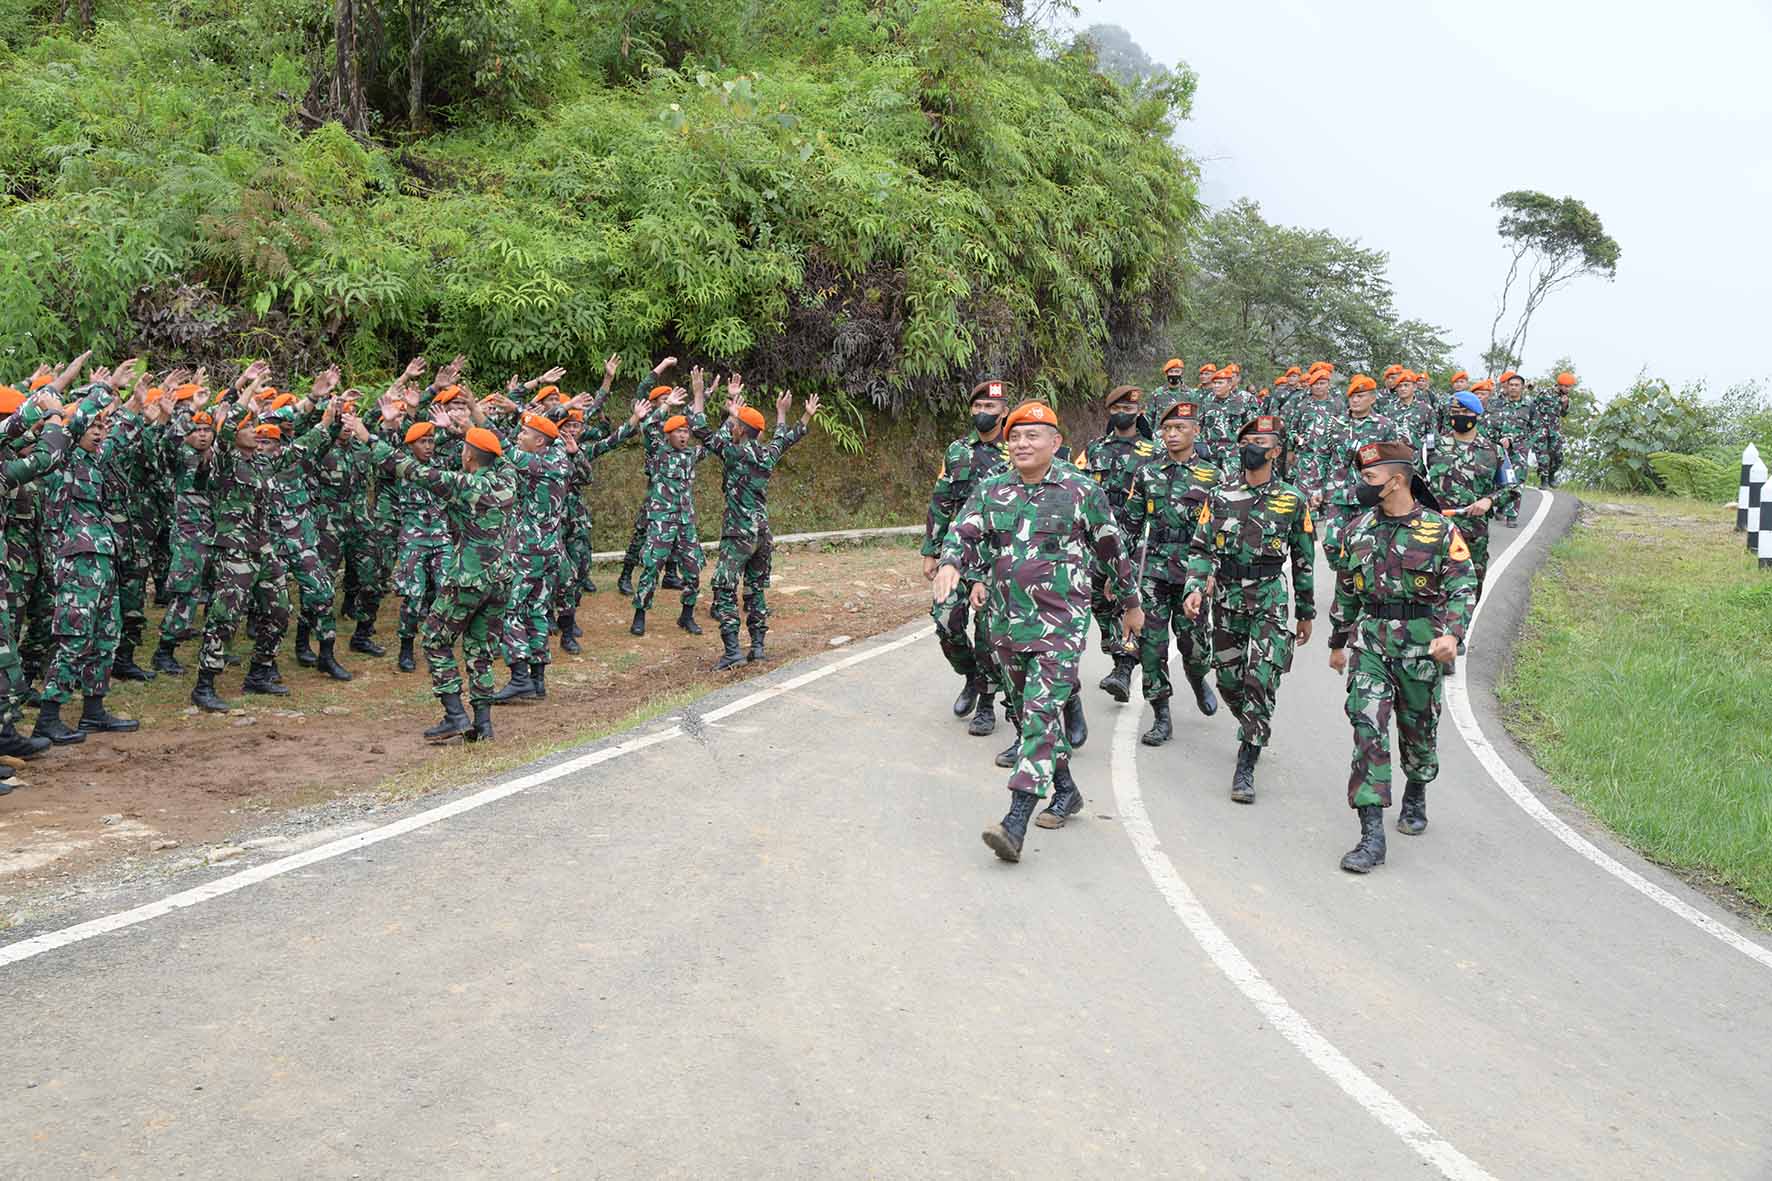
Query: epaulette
[[1144, 448]]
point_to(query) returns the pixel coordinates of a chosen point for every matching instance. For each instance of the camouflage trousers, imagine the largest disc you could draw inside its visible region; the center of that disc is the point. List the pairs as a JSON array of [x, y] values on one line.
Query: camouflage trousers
[[1329, 526], [30, 605], [369, 563], [416, 582], [246, 582], [747, 559], [1039, 684], [473, 616], [132, 593], [1162, 615], [637, 544], [1106, 610], [1476, 535], [88, 622], [529, 617], [970, 657], [575, 567], [1377, 687], [1550, 458], [1251, 653], [299, 551], [669, 544], [13, 684], [187, 574]]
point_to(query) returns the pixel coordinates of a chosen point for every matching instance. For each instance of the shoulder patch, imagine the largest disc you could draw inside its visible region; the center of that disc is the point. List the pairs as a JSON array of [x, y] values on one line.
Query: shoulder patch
[[1459, 551], [1144, 448], [1307, 519], [1208, 475], [1205, 514]]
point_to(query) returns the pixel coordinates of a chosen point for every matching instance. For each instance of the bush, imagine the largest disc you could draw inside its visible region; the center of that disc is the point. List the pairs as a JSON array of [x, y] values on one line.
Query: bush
[[1695, 476], [1623, 435]]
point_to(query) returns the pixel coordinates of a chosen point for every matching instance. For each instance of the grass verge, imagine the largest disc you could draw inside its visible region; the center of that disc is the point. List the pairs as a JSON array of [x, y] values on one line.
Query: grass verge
[[1642, 685]]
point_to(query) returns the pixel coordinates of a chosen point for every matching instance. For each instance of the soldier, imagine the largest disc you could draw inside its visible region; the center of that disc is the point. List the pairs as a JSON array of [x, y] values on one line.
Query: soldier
[[1390, 378], [1247, 532], [583, 426], [1313, 431], [1341, 472], [21, 467], [543, 470], [1460, 383], [1024, 542], [967, 462], [1221, 416], [1412, 417], [1515, 427], [1167, 395], [652, 441], [671, 534], [424, 543], [1164, 507], [1114, 460], [1470, 482], [1403, 596], [187, 455], [30, 573], [1551, 408], [292, 520], [746, 544]]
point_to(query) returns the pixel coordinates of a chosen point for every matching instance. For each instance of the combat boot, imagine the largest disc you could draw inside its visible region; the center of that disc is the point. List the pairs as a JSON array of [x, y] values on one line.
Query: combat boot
[[363, 639], [1412, 816], [984, 718], [406, 663], [203, 696], [482, 728], [1005, 837], [672, 579], [1370, 851], [304, 651], [1118, 684], [518, 688], [327, 664], [1243, 782], [638, 627], [538, 681], [258, 680], [455, 720], [1007, 756], [967, 701], [51, 726], [757, 634], [124, 667], [686, 620], [1067, 800], [166, 660], [1160, 731], [569, 634], [590, 587], [18, 746], [1076, 726], [731, 656], [95, 719], [276, 673], [1204, 697], [625, 583]]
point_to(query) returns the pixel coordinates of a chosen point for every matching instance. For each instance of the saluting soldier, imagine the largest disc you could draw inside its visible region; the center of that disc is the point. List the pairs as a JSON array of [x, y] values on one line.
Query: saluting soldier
[[1113, 460]]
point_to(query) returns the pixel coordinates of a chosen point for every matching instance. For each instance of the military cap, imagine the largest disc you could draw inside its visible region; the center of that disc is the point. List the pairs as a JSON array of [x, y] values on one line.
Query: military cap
[[481, 439], [543, 424], [1208, 369], [447, 394], [419, 430], [38, 383], [1565, 379], [1184, 410], [1510, 375], [1173, 365], [990, 387], [1373, 454], [1261, 424], [203, 418], [545, 392], [1030, 413], [1458, 375], [751, 417], [269, 430], [1469, 401], [1122, 393], [657, 392], [1359, 383], [10, 399], [1390, 369], [675, 422]]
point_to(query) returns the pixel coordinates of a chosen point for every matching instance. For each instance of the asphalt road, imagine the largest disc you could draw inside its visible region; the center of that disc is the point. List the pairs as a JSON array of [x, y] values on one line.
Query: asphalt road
[[774, 945]]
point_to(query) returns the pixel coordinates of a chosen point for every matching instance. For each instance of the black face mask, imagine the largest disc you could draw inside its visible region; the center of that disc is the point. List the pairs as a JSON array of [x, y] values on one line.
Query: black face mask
[[1175, 383], [1121, 421], [1253, 457], [1369, 495], [986, 423], [1463, 422]]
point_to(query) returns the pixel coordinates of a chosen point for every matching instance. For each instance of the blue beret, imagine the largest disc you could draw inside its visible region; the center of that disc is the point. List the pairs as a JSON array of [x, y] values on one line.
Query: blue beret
[[1469, 401]]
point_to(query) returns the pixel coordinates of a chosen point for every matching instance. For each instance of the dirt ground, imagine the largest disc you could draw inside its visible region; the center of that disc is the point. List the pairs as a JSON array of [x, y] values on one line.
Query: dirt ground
[[188, 779]]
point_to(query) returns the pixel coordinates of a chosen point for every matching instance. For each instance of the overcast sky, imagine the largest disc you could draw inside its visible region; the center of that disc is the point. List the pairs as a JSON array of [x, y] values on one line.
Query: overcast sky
[[1397, 123]]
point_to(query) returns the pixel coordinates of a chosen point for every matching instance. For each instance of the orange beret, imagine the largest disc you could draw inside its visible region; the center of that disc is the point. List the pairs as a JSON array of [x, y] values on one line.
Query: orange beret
[[1172, 365], [1565, 379], [419, 430], [1482, 387], [282, 400], [1316, 375], [575, 415], [1261, 424], [1360, 383], [1184, 410], [1121, 393], [484, 440], [1293, 371], [447, 394], [1390, 369], [545, 392], [751, 417], [185, 393], [990, 387], [657, 392], [269, 430], [202, 418], [1390, 452], [1510, 375], [1227, 373], [1030, 413], [153, 395], [1208, 369], [675, 422], [542, 423], [1460, 374], [10, 399], [38, 383]]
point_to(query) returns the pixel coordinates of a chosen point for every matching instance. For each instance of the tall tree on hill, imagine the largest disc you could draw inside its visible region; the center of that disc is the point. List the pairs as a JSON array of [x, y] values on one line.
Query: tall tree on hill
[[1551, 242]]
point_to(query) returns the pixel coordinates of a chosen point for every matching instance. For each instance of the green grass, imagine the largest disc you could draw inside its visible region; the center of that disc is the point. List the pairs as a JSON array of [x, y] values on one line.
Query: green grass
[[1643, 685]]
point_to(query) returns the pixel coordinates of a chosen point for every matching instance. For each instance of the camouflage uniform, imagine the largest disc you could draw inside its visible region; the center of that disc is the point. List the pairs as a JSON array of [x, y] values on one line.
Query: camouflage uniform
[[1513, 424], [967, 463], [542, 478], [369, 551], [1157, 403], [1413, 419], [1341, 471], [671, 535], [424, 551], [1220, 420], [17, 472], [1459, 474], [747, 546], [128, 481], [1547, 440], [575, 576], [1313, 432], [192, 479], [293, 523], [1114, 463], [30, 601], [1169, 496]]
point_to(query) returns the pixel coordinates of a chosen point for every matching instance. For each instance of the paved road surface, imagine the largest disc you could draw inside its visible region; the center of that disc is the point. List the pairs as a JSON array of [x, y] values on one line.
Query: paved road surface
[[776, 946]]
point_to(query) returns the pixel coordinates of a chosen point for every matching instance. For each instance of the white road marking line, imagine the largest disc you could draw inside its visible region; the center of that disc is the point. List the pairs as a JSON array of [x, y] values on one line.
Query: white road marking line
[[1383, 1106], [24, 949], [1458, 703]]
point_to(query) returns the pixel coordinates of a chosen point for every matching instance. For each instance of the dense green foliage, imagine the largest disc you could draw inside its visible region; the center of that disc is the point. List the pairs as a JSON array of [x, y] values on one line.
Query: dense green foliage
[[1651, 439]]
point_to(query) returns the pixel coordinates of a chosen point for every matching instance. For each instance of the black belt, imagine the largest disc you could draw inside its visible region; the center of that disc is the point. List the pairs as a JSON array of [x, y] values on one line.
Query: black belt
[[1261, 568], [1399, 610]]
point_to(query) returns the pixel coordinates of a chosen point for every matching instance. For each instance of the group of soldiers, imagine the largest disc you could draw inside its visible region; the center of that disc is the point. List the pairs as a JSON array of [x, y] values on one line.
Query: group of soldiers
[[1184, 518], [470, 508]]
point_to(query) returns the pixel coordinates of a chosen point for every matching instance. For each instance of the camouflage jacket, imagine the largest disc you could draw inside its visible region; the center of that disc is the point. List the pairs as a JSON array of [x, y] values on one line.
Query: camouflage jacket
[[243, 488], [480, 506], [1222, 418], [968, 462], [1244, 538], [192, 478], [1113, 462], [424, 519], [1415, 565], [1039, 542], [1158, 400], [1414, 422], [1459, 474], [1342, 472], [744, 481], [84, 501], [1510, 421], [542, 478], [1547, 417], [670, 492], [592, 447], [1169, 495], [1313, 432], [19, 471]]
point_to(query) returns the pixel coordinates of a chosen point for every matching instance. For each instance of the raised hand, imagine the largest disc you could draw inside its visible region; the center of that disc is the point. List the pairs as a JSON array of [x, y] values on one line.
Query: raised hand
[[414, 367], [448, 375], [611, 367], [325, 383], [811, 406], [641, 409], [551, 376], [667, 363], [783, 403], [734, 384], [676, 397], [695, 381]]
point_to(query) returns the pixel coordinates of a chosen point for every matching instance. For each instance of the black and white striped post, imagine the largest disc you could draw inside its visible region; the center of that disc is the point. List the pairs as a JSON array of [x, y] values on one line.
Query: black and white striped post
[[1748, 458], [1754, 493], [1764, 552]]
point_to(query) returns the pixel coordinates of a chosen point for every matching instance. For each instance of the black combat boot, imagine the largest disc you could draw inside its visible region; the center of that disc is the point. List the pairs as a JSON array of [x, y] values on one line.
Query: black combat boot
[[518, 688], [1204, 697], [20, 747], [672, 579], [258, 680], [625, 583], [538, 681], [686, 620], [327, 664], [731, 656], [304, 651], [51, 726], [984, 718], [1160, 731], [1076, 726], [166, 659], [1243, 781], [1370, 851], [569, 634], [95, 719], [406, 663], [276, 673], [363, 639], [1118, 684], [590, 587], [455, 720], [1006, 836], [124, 667], [756, 652], [1067, 800], [1412, 817], [203, 696], [967, 701], [481, 730], [1007, 756], [638, 627]]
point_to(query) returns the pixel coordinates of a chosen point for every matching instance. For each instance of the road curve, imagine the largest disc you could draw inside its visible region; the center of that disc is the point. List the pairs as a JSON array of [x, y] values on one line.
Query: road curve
[[772, 943]]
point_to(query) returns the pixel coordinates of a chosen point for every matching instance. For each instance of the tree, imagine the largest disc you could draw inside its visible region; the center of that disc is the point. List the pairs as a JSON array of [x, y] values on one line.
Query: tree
[[1551, 242], [1118, 56]]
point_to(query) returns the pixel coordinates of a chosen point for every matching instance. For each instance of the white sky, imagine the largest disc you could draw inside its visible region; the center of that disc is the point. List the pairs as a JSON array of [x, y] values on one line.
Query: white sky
[[1398, 122]]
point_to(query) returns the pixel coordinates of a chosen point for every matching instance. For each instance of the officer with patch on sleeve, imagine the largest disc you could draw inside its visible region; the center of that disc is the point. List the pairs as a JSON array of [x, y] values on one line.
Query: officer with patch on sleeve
[[1114, 461]]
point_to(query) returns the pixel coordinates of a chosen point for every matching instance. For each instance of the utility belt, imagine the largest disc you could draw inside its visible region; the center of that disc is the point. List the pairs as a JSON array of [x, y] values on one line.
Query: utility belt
[[1258, 569], [1382, 609]]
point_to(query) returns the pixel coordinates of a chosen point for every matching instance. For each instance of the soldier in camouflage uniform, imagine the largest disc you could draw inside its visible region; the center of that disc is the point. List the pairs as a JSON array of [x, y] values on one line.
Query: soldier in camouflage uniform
[[129, 482], [1114, 461], [424, 543], [1552, 406], [1165, 396], [1249, 531], [1359, 426], [1222, 416], [1386, 396], [543, 470], [672, 537], [968, 461], [292, 521], [186, 453], [1404, 590], [30, 601], [1412, 417], [19, 467], [1313, 431], [1466, 474], [575, 571], [1165, 505], [1515, 426], [746, 543], [1025, 541], [652, 441]]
